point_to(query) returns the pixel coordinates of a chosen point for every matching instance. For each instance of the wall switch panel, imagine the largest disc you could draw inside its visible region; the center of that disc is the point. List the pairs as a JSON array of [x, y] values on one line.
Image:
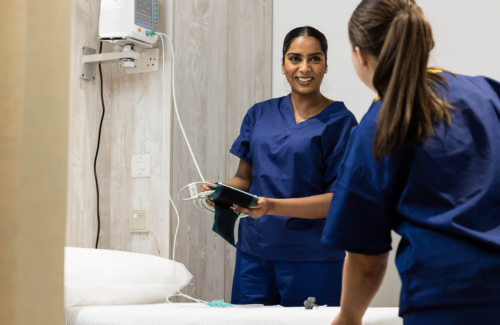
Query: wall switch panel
[[141, 166], [138, 221]]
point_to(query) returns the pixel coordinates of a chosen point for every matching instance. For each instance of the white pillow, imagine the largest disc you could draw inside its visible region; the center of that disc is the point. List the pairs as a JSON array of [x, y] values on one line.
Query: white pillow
[[104, 277]]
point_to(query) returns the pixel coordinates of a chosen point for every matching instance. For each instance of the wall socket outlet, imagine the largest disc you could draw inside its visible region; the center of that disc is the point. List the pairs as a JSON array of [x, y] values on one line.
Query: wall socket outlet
[[138, 221]]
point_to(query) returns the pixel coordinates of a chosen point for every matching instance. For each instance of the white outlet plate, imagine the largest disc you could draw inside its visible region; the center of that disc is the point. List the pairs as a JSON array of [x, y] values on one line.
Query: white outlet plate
[[141, 166], [138, 221], [147, 62]]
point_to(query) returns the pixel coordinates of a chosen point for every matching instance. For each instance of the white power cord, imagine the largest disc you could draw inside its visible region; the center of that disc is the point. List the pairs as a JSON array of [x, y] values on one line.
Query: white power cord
[[200, 204], [179, 294], [199, 199], [175, 100]]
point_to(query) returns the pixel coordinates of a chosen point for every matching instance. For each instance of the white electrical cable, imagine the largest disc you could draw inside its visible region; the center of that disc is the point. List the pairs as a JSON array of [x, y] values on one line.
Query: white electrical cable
[[200, 200], [187, 141], [203, 206], [175, 102]]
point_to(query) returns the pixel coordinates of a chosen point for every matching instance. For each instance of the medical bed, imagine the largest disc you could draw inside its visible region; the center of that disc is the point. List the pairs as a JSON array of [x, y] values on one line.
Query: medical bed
[[190, 313]]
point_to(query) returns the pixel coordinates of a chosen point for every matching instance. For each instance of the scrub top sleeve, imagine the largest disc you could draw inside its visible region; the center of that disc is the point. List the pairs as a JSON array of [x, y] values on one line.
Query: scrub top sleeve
[[356, 222], [359, 219], [241, 146], [334, 159], [495, 86]]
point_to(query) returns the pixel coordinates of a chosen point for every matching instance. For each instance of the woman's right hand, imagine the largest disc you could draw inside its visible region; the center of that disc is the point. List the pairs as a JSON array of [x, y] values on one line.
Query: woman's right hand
[[205, 188]]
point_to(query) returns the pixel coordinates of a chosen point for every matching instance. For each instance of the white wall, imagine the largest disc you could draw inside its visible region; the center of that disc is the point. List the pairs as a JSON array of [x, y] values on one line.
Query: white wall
[[467, 36]]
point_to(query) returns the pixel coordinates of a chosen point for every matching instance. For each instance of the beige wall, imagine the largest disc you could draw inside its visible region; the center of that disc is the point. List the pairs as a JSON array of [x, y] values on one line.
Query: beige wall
[[33, 144]]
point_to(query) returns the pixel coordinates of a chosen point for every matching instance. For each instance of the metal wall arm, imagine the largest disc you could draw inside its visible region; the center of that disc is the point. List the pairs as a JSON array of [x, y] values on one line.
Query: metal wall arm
[[144, 60], [110, 57], [89, 59]]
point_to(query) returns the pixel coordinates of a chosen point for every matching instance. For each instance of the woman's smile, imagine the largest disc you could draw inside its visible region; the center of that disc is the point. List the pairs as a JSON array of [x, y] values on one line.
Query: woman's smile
[[304, 81]]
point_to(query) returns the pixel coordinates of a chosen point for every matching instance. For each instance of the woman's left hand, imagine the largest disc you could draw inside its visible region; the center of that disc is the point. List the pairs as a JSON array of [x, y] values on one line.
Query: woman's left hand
[[257, 211]]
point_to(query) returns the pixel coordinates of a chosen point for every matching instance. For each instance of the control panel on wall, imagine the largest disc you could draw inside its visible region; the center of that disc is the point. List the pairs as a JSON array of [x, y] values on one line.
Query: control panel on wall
[[138, 221], [146, 14]]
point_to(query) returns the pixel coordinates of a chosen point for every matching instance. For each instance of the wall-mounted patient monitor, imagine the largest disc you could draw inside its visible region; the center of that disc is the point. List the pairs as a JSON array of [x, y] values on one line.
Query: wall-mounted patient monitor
[[129, 19], [132, 25]]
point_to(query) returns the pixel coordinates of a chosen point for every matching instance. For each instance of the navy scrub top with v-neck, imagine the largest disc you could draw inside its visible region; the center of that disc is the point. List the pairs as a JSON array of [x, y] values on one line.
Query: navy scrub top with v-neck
[[290, 160]]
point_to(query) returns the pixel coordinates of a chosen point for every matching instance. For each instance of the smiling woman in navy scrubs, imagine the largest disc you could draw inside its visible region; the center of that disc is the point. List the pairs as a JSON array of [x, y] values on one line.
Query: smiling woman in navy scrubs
[[290, 149], [424, 161]]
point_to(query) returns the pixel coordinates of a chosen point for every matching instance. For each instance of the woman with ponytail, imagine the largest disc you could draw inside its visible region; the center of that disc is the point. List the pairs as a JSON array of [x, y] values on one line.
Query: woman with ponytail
[[425, 162]]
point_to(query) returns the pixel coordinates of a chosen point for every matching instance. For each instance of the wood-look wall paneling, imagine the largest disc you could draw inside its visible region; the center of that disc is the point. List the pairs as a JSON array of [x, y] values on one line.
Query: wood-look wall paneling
[[223, 59], [84, 114], [249, 82], [201, 84], [132, 125], [223, 62]]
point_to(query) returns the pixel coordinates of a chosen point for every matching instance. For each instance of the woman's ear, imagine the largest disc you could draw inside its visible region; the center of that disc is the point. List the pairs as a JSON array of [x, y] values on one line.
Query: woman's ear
[[362, 56]]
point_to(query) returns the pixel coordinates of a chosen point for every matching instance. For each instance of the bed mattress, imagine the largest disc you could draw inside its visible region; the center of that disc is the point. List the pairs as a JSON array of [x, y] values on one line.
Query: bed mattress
[[190, 313]]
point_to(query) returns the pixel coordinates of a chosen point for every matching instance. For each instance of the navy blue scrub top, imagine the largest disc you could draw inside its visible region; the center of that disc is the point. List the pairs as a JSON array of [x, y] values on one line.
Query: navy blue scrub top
[[442, 197], [290, 161]]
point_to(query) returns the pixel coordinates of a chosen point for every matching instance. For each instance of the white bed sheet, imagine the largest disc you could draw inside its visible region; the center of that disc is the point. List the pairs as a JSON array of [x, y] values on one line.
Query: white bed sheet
[[190, 313]]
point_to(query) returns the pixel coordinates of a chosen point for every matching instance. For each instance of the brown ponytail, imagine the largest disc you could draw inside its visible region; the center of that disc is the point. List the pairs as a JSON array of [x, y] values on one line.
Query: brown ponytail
[[398, 35]]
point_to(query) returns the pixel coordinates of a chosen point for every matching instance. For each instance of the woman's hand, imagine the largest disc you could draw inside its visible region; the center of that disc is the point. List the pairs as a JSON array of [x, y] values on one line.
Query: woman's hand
[[205, 188], [261, 209], [342, 320]]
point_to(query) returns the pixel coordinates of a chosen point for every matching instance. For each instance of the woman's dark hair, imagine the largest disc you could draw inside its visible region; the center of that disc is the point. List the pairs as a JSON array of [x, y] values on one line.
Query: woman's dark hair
[[398, 35], [305, 31]]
